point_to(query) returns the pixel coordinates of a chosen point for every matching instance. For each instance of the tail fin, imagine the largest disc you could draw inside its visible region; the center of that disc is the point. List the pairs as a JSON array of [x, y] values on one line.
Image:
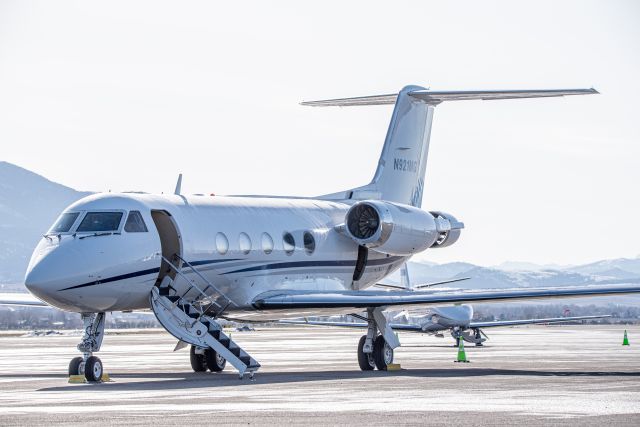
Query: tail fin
[[401, 169]]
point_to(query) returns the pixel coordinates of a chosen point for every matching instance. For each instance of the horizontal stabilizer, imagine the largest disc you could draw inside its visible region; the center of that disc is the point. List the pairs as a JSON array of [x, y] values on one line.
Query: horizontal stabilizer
[[436, 97]]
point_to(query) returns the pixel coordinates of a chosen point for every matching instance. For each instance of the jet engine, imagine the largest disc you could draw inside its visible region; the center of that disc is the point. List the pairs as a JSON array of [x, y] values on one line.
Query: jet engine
[[449, 229], [397, 229]]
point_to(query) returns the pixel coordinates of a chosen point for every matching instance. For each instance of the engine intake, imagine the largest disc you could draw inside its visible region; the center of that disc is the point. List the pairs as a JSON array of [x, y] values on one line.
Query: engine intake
[[391, 228]]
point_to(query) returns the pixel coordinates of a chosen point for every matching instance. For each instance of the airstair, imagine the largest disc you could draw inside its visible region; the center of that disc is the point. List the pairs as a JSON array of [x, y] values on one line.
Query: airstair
[[189, 314]]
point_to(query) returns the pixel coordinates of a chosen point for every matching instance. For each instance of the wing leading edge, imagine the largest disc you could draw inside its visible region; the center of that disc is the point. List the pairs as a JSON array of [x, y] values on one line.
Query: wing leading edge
[[24, 300], [291, 299]]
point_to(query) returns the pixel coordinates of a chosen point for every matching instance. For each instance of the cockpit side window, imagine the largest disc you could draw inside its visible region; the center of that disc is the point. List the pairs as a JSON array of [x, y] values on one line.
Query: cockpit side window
[[64, 222], [100, 221], [135, 223]]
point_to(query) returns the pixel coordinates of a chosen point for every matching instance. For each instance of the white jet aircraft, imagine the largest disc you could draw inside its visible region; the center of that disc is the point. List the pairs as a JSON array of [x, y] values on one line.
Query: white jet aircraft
[[195, 259]]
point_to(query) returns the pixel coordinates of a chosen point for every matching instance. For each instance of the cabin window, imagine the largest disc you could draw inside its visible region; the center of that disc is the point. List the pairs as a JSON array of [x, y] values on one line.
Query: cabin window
[[245, 243], [64, 222], [309, 242], [267, 243], [100, 221], [222, 243], [135, 223], [289, 243]]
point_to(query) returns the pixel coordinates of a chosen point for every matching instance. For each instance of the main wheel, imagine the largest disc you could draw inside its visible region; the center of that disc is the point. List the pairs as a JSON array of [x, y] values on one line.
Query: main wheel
[[382, 353], [93, 369], [215, 362], [198, 362], [76, 366], [365, 360]]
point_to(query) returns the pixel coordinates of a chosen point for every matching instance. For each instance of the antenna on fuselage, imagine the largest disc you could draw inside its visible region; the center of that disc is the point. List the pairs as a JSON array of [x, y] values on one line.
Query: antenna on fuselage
[[178, 185]]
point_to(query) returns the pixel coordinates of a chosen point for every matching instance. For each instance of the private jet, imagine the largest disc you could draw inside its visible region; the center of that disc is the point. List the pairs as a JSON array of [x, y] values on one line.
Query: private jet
[[195, 259]]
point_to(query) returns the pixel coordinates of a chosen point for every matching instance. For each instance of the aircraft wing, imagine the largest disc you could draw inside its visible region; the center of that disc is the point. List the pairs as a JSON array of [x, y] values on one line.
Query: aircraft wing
[[532, 321], [21, 299], [298, 300], [394, 326]]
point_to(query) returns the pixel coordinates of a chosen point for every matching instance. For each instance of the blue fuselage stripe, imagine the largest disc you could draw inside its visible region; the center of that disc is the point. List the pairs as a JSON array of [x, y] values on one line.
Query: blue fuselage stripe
[[263, 267]]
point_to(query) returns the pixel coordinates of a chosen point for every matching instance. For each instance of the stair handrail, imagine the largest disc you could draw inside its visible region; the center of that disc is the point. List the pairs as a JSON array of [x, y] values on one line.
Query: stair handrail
[[191, 282], [222, 294]]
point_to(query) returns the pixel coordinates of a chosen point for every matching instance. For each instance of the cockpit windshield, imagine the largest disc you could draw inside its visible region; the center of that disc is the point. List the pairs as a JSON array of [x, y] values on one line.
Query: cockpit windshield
[[64, 222], [100, 221]]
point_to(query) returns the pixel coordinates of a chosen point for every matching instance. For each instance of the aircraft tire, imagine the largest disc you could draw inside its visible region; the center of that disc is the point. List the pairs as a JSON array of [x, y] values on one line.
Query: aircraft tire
[[382, 353], [93, 369], [198, 361], [74, 366], [214, 361], [365, 360]]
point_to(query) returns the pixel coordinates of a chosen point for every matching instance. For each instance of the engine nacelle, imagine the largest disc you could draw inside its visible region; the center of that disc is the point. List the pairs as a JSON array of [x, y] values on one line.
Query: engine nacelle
[[392, 228], [449, 229]]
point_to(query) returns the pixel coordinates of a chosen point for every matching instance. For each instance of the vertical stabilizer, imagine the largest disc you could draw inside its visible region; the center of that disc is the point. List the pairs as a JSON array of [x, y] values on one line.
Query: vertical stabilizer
[[403, 162], [401, 169]]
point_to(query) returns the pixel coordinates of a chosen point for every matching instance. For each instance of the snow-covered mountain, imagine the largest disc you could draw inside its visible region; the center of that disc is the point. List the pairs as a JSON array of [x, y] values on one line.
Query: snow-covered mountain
[[29, 204], [623, 270]]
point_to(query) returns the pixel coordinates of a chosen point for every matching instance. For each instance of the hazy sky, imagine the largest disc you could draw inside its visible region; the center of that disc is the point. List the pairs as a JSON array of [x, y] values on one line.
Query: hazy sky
[[124, 95]]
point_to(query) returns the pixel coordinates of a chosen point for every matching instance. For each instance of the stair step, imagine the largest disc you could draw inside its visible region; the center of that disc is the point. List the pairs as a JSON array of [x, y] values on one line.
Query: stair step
[[164, 291], [225, 342], [215, 333], [246, 360], [173, 298]]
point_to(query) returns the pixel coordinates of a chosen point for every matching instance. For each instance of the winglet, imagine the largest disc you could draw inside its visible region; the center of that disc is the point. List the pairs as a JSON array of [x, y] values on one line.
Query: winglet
[[178, 185]]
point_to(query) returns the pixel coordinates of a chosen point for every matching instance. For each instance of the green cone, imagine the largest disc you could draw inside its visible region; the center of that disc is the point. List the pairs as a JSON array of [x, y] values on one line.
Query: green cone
[[625, 340], [462, 356]]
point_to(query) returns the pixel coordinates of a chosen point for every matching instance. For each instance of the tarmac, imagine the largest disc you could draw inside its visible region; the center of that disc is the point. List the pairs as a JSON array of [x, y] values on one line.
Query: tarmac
[[536, 375]]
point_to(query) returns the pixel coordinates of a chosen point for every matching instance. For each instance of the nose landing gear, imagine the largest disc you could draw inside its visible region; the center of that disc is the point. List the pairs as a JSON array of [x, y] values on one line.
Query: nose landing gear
[[89, 365]]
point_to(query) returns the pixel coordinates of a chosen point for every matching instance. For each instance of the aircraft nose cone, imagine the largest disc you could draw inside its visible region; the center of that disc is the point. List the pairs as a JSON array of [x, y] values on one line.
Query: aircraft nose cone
[[37, 280], [50, 269]]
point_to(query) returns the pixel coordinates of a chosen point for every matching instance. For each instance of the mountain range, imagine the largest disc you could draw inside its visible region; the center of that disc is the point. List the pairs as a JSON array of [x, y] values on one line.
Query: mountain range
[[30, 203]]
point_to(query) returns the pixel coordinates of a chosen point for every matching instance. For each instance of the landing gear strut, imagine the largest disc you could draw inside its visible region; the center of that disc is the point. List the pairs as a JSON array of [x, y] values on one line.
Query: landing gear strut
[[89, 365], [375, 351], [478, 337]]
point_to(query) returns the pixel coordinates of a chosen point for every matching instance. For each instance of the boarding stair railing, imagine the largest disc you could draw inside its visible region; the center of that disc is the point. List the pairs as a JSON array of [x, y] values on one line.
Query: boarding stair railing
[[192, 320]]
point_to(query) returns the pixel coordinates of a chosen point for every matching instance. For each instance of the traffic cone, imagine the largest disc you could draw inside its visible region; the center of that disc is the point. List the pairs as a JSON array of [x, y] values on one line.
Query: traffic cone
[[462, 356], [625, 340]]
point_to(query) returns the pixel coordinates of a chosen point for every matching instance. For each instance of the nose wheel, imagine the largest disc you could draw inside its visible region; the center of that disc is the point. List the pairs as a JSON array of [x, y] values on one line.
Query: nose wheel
[[92, 368], [89, 365]]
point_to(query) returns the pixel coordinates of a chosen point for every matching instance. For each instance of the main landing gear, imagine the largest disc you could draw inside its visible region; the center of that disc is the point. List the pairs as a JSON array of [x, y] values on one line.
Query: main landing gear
[[206, 358], [375, 351], [89, 365], [380, 357]]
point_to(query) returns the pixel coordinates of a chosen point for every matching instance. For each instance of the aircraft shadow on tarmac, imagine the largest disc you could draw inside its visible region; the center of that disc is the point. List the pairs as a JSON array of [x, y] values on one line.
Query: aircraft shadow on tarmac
[[171, 381]]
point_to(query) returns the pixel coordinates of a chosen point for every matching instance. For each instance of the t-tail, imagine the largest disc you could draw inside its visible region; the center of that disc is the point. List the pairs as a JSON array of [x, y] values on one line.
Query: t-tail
[[401, 169]]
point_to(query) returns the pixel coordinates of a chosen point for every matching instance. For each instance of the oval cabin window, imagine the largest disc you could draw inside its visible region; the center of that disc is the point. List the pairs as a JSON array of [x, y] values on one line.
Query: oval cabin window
[[222, 243], [244, 242], [309, 242], [289, 243], [267, 243]]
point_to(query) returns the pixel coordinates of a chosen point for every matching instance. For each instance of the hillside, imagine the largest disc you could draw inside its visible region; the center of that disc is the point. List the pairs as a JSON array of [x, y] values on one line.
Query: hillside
[[29, 204]]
